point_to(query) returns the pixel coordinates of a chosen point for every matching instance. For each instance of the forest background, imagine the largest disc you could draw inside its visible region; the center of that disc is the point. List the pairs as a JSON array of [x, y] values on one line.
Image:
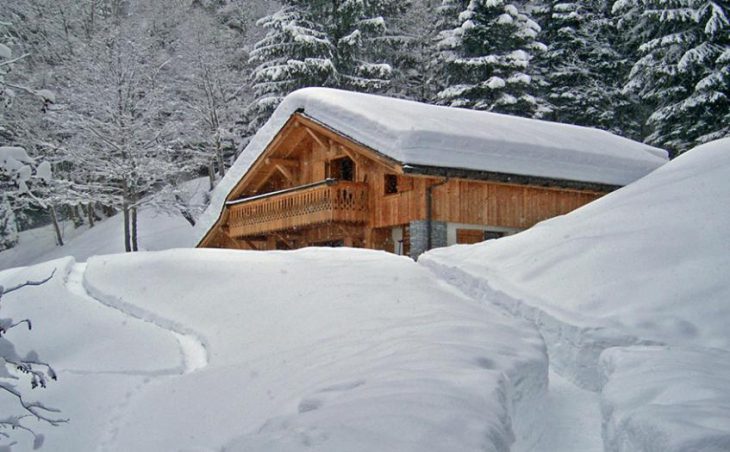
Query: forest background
[[107, 106]]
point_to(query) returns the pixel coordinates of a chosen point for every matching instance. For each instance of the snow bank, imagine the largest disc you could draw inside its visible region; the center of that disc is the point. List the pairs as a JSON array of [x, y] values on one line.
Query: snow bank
[[157, 231], [645, 265], [649, 261], [324, 349], [421, 134], [101, 356], [666, 399]]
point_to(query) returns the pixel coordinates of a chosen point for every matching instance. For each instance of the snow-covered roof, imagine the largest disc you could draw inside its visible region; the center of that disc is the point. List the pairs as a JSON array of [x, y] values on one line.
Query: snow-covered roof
[[421, 134], [414, 133]]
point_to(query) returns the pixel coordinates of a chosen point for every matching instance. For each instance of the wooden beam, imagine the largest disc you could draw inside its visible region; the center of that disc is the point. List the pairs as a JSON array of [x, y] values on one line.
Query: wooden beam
[[314, 136], [331, 148], [229, 241], [354, 156], [286, 173], [333, 136], [265, 178], [251, 244], [286, 139], [290, 163], [283, 239]]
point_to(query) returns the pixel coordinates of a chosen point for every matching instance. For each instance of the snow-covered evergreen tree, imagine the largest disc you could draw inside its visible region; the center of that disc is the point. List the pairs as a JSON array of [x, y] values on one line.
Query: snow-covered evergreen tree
[[582, 71], [682, 71], [296, 52], [416, 76], [486, 57], [341, 43]]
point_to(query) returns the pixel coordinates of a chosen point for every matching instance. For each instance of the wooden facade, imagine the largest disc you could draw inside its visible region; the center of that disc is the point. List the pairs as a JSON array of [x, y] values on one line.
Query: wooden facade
[[313, 186]]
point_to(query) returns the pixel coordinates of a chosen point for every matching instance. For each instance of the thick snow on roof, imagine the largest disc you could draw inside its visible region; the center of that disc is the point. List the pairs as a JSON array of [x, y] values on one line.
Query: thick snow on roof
[[420, 134]]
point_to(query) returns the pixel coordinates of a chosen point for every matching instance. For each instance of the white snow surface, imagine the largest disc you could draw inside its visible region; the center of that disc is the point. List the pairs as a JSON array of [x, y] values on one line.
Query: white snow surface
[[421, 134], [631, 296], [317, 349], [13, 158], [157, 231], [669, 399], [651, 259]]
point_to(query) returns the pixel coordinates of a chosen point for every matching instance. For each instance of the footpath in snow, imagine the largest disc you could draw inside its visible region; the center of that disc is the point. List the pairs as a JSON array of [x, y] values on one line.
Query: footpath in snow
[[571, 420], [358, 350], [192, 349], [317, 349]]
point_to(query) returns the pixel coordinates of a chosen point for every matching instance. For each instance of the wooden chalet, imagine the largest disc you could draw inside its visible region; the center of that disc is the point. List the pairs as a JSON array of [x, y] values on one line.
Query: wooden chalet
[[311, 177]]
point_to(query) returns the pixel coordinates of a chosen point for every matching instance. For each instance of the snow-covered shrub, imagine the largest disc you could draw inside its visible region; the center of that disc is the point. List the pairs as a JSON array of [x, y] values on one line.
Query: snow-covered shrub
[[8, 227], [16, 371]]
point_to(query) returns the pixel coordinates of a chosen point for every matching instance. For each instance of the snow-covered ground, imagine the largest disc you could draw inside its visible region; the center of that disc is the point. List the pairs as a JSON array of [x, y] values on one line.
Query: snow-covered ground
[[626, 299], [157, 231], [329, 349], [631, 295]]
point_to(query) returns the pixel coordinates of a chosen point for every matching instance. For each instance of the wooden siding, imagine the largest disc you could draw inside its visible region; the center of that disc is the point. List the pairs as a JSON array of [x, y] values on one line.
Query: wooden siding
[[469, 236], [360, 212], [475, 202]]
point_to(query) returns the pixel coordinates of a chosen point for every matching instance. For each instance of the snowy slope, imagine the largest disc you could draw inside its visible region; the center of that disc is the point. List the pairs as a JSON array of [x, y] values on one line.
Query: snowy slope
[[157, 231], [323, 349], [416, 133], [647, 264], [651, 259]]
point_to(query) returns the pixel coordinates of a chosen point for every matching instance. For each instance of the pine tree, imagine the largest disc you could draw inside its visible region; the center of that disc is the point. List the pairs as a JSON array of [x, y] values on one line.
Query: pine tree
[[682, 71], [295, 53], [582, 71], [486, 57], [341, 43]]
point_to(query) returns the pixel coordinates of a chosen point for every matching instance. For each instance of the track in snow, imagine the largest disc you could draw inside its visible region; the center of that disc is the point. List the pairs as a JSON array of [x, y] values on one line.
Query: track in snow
[[571, 420], [195, 356]]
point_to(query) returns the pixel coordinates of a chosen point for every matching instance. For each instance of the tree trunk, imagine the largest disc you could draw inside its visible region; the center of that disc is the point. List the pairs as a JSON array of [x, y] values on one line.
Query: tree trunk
[[54, 218], [184, 211], [76, 216], [90, 214], [135, 247], [211, 174], [133, 223], [219, 157], [125, 210], [127, 242]]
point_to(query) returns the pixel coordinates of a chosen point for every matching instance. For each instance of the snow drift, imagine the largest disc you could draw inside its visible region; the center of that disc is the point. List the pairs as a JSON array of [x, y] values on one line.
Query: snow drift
[[647, 264], [323, 349]]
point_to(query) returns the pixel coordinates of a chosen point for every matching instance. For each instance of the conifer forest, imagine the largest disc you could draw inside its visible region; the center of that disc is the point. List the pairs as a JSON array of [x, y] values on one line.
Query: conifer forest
[[107, 106]]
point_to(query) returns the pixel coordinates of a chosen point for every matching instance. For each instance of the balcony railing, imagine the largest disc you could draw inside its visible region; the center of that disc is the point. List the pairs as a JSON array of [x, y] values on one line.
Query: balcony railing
[[330, 201]]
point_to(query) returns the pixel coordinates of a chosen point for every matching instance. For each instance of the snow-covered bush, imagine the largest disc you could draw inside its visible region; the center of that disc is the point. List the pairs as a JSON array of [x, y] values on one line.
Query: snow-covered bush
[[16, 373], [8, 227]]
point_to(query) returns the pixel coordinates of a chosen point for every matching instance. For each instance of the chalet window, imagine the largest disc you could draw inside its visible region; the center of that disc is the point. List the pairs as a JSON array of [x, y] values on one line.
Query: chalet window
[[489, 235], [469, 236], [342, 169], [391, 184]]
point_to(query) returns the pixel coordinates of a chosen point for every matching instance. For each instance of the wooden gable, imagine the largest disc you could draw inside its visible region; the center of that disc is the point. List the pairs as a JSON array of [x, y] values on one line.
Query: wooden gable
[[313, 185]]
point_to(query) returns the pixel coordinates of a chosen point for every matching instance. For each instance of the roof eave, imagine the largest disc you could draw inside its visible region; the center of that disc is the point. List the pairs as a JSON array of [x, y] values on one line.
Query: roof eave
[[519, 179]]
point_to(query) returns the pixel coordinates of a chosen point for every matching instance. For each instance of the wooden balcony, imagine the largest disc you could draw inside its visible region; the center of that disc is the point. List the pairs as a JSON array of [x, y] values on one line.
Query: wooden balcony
[[330, 201]]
